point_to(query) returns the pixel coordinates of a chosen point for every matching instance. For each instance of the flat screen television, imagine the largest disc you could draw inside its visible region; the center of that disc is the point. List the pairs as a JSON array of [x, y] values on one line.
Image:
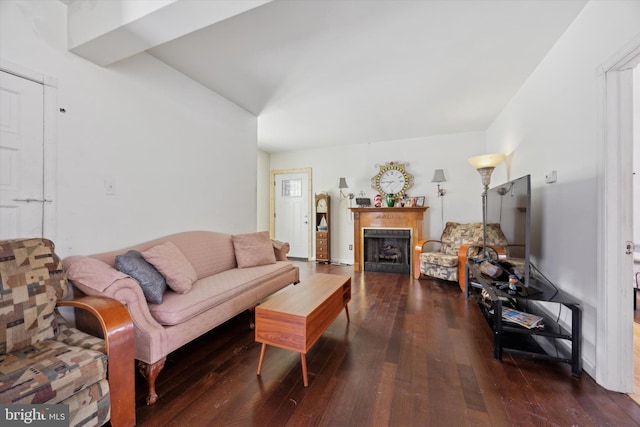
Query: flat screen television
[[509, 205]]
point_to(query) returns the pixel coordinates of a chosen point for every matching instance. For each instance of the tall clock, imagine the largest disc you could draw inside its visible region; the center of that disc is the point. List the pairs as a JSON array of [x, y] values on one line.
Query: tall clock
[[392, 179]]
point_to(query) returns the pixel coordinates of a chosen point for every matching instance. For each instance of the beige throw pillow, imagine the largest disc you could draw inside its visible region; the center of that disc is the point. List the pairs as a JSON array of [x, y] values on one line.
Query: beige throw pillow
[[253, 249], [173, 265]]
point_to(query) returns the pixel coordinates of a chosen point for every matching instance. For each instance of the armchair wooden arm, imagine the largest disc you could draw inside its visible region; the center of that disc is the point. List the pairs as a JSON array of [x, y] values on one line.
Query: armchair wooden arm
[[463, 254], [417, 250], [118, 333]]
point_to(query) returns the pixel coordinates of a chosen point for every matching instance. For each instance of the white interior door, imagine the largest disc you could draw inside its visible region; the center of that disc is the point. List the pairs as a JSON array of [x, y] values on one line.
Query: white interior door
[[292, 212], [21, 157]]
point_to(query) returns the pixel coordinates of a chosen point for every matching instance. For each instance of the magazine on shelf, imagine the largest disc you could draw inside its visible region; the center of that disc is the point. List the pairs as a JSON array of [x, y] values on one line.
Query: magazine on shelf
[[521, 318]]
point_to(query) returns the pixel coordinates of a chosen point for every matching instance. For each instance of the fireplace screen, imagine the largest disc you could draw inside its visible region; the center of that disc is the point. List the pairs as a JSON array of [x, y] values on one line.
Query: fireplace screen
[[387, 250]]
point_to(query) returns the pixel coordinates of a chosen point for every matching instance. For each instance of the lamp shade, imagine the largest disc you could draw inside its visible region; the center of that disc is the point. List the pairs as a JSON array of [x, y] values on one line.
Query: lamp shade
[[438, 176], [486, 160], [343, 183]]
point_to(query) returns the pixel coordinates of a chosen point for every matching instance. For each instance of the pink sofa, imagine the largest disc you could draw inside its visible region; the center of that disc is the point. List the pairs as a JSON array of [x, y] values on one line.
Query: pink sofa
[[232, 274]]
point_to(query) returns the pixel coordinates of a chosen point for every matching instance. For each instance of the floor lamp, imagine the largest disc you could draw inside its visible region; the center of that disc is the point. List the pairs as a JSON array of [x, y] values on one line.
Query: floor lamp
[[485, 165]]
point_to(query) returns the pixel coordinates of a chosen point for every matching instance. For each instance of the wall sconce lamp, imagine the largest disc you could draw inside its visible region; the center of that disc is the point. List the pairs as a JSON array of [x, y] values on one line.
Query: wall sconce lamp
[[438, 177], [485, 165], [342, 185]]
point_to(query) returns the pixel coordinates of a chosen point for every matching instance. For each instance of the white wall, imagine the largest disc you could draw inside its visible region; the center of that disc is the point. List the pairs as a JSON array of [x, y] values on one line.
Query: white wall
[[356, 163], [181, 157], [553, 123]]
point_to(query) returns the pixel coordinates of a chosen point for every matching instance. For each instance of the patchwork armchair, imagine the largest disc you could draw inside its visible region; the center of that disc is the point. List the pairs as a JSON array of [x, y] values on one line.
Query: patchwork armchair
[[43, 360], [458, 242]]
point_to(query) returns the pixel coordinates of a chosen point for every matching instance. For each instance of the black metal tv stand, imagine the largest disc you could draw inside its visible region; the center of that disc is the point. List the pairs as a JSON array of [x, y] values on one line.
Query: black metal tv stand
[[519, 340]]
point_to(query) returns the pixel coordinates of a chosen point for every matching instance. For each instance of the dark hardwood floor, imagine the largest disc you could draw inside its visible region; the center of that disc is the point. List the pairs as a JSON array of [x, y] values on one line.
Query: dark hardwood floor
[[416, 353]]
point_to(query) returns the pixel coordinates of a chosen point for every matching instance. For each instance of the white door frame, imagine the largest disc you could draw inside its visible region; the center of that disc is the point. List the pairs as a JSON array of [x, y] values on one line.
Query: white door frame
[[272, 202], [49, 211], [614, 309]]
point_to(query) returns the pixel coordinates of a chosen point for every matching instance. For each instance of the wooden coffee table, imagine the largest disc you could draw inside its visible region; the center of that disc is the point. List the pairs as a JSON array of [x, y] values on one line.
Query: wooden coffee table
[[297, 317]]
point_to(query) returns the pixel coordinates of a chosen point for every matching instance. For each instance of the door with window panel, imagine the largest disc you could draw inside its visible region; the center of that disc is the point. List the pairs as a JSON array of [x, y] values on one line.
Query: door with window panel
[[292, 213]]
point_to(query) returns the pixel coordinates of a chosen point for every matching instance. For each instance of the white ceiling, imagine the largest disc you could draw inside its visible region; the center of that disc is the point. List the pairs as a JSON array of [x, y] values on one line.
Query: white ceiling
[[320, 73]]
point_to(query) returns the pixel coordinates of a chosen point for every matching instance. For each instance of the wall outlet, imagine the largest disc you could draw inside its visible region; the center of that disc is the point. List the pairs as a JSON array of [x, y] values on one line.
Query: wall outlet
[[551, 177], [350, 247]]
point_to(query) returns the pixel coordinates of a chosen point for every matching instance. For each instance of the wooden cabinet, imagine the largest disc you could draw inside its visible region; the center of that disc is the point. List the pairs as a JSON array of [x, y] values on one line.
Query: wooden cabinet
[[323, 227]]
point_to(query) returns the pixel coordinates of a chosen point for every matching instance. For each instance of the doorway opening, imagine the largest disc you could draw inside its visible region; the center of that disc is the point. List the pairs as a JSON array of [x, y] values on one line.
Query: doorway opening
[[615, 351], [28, 190]]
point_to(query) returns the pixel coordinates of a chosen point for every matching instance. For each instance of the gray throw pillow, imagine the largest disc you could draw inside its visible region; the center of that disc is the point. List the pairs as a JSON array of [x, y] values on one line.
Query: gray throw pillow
[[151, 281]]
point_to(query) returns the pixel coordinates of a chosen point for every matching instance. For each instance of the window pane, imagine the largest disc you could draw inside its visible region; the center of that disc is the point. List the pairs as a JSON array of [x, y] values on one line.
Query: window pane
[[292, 188]]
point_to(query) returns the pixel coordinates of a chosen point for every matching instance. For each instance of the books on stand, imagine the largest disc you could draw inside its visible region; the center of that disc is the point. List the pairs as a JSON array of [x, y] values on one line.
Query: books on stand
[[521, 318]]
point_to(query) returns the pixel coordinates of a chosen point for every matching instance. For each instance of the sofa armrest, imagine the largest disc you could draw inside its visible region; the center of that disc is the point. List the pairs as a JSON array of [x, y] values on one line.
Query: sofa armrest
[[96, 278], [118, 333], [281, 249], [91, 273], [129, 293], [417, 250]]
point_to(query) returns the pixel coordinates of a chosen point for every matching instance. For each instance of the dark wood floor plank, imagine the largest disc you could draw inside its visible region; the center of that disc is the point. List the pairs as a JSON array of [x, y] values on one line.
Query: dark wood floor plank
[[366, 350], [384, 392], [416, 352]]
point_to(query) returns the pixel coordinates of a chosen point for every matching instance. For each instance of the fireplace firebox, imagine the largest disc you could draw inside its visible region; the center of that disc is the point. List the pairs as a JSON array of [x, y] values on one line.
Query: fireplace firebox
[[387, 250]]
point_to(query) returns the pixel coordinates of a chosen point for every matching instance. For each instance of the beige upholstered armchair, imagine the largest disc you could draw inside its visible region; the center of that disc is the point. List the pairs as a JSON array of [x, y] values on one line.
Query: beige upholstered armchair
[[43, 360], [458, 242]]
